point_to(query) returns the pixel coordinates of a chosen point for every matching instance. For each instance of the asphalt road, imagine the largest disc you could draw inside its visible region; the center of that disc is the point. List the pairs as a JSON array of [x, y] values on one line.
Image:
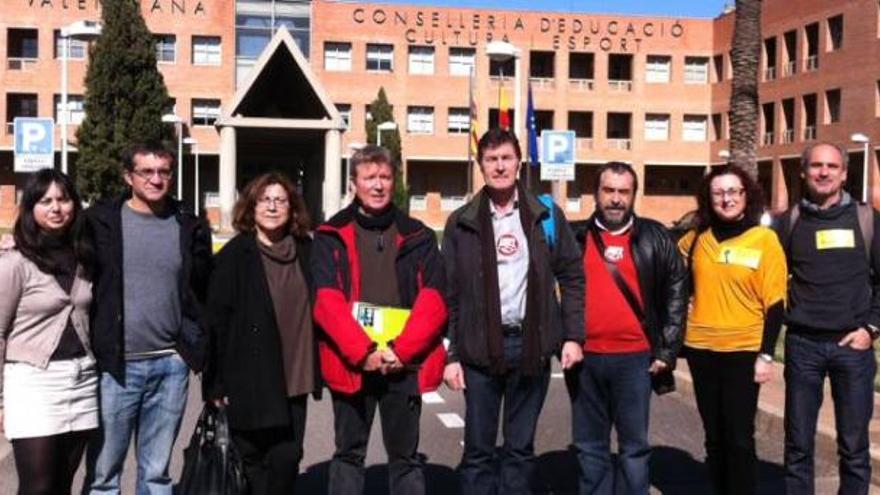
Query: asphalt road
[[676, 465]]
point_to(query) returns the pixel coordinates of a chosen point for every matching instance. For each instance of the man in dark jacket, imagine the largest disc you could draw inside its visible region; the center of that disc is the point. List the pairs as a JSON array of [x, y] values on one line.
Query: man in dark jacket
[[833, 317], [635, 310], [371, 252], [505, 320], [153, 263]]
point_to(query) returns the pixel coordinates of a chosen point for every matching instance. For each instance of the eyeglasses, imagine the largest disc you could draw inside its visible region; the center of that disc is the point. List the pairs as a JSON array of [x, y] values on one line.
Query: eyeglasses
[[728, 193], [148, 173], [281, 203]]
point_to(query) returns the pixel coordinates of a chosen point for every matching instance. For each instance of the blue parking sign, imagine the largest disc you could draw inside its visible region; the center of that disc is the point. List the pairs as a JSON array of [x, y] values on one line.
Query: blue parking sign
[[34, 144], [557, 155]]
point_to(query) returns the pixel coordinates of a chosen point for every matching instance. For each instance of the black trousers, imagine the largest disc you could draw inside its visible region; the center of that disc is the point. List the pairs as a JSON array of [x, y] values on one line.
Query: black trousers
[[353, 417], [46, 465], [271, 456], [727, 398]]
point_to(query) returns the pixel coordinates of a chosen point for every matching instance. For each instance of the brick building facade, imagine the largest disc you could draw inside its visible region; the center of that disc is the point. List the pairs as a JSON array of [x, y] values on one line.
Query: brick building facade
[[652, 91]]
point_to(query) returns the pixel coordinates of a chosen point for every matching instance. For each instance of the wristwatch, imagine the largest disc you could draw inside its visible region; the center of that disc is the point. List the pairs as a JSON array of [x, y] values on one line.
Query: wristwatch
[[767, 358]]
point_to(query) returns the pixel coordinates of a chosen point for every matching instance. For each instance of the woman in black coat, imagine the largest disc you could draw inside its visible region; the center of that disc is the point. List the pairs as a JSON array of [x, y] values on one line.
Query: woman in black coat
[[262, 362]]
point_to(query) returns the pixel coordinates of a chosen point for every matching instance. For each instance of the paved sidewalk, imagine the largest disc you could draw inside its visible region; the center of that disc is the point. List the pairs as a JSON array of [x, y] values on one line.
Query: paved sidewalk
[[771, 410]]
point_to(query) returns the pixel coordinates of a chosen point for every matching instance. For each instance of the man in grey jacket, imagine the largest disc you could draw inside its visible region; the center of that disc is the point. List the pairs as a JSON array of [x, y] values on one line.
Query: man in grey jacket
[[504, 253]]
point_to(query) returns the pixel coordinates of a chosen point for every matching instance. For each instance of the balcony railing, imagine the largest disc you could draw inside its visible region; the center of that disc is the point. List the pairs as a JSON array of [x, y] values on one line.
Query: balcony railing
[[451, 203], [418, 203], [619, 144], [812, 63], [809, 133], [20, 63], [542, 82], [788, 136], [585, 143], [581, 84], [767, 139], [770, 73], [789, 69], [620, 85]]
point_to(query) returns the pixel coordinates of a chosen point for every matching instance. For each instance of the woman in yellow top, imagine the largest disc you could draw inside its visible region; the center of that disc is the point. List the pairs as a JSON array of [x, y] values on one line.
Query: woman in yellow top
[[739, 277]]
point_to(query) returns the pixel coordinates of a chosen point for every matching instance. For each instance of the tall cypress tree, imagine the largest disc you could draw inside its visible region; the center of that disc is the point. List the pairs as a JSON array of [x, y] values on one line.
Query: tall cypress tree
[[124, 101], [382, 111]]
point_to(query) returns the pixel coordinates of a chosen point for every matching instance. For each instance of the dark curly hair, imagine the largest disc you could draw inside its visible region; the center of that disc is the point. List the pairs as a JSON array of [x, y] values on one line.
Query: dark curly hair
[[754, 196]]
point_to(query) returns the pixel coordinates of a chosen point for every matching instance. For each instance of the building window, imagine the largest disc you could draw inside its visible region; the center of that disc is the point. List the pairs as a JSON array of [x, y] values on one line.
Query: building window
[[421, 60], [696, 70], [581, 123], [810, 113], [461, 61], [811, 39], [618, 132], [768, 115], [581, 66], [380, 58], [206, 50], [786, 134], [620, 68], [658, 68], [19, 105], [877, 99], [22, 48], [459, 121], [420, 120], [344, 110], [832, 106], [693, 128], [770, 59], [542, 65], [789, 43], [166, 48], [76, 106], [717, 127], [205, 112], [657, 127], [506, 68], [337, 56], [78, 47], [835, 33], [718, 65]]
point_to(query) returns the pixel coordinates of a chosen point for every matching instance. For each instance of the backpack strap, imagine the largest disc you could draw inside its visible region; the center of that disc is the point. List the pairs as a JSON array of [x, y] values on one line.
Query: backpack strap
[[549, 222]]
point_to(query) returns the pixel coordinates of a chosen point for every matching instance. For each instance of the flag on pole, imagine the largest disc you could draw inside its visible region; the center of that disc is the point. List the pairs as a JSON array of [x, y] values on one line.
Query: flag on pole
[[503, 108], [473, 124], [532, 129]]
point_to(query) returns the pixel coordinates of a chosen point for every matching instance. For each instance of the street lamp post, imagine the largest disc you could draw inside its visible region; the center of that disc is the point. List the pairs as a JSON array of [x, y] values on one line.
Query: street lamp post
[[864, 139], [171, 118], [84, 30], [384, 126], [194, 149]]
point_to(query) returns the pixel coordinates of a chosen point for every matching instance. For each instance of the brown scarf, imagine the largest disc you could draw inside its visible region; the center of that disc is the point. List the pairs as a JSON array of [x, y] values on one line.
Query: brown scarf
[[531, 353]]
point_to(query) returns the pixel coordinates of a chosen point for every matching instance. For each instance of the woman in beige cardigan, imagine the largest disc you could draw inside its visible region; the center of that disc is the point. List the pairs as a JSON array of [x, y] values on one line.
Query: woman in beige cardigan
[[48, 383]]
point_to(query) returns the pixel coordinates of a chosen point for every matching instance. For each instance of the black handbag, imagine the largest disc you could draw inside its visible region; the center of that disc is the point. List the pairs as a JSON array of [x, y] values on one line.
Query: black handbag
[[664, 381], [211, 463]]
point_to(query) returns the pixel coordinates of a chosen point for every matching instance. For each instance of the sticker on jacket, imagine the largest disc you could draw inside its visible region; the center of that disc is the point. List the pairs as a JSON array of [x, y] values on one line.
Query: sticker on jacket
[[835, 239], [740, 256]]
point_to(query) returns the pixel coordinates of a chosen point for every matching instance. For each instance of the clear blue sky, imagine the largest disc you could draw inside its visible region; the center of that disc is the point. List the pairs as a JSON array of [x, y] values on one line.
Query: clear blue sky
[[675, 8]]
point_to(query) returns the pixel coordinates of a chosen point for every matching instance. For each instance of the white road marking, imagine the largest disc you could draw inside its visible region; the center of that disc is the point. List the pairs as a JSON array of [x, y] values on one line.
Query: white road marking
[[432, 398], [451, 420]]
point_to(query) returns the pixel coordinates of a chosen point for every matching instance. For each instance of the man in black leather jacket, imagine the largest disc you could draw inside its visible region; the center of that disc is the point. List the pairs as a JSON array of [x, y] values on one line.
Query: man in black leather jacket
[[635, 308]]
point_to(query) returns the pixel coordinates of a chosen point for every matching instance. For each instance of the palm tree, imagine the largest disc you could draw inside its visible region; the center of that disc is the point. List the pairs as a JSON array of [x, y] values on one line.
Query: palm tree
[[745, 54]]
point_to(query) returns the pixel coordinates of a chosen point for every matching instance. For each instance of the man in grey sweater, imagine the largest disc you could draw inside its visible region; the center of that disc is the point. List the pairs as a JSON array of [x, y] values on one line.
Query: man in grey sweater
[[153, 262]]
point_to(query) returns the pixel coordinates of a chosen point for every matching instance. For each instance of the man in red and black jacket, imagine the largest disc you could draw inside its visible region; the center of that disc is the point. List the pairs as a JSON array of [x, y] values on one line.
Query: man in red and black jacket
[[372, 252]]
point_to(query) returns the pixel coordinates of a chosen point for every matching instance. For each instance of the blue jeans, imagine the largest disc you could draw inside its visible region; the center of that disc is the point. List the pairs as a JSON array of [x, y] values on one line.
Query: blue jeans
[[606, 390], [523, 398], [807, 363], [149, 405]]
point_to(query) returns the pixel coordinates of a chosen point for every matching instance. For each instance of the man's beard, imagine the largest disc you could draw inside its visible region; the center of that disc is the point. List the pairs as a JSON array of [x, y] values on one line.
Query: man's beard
[[611, 224]]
